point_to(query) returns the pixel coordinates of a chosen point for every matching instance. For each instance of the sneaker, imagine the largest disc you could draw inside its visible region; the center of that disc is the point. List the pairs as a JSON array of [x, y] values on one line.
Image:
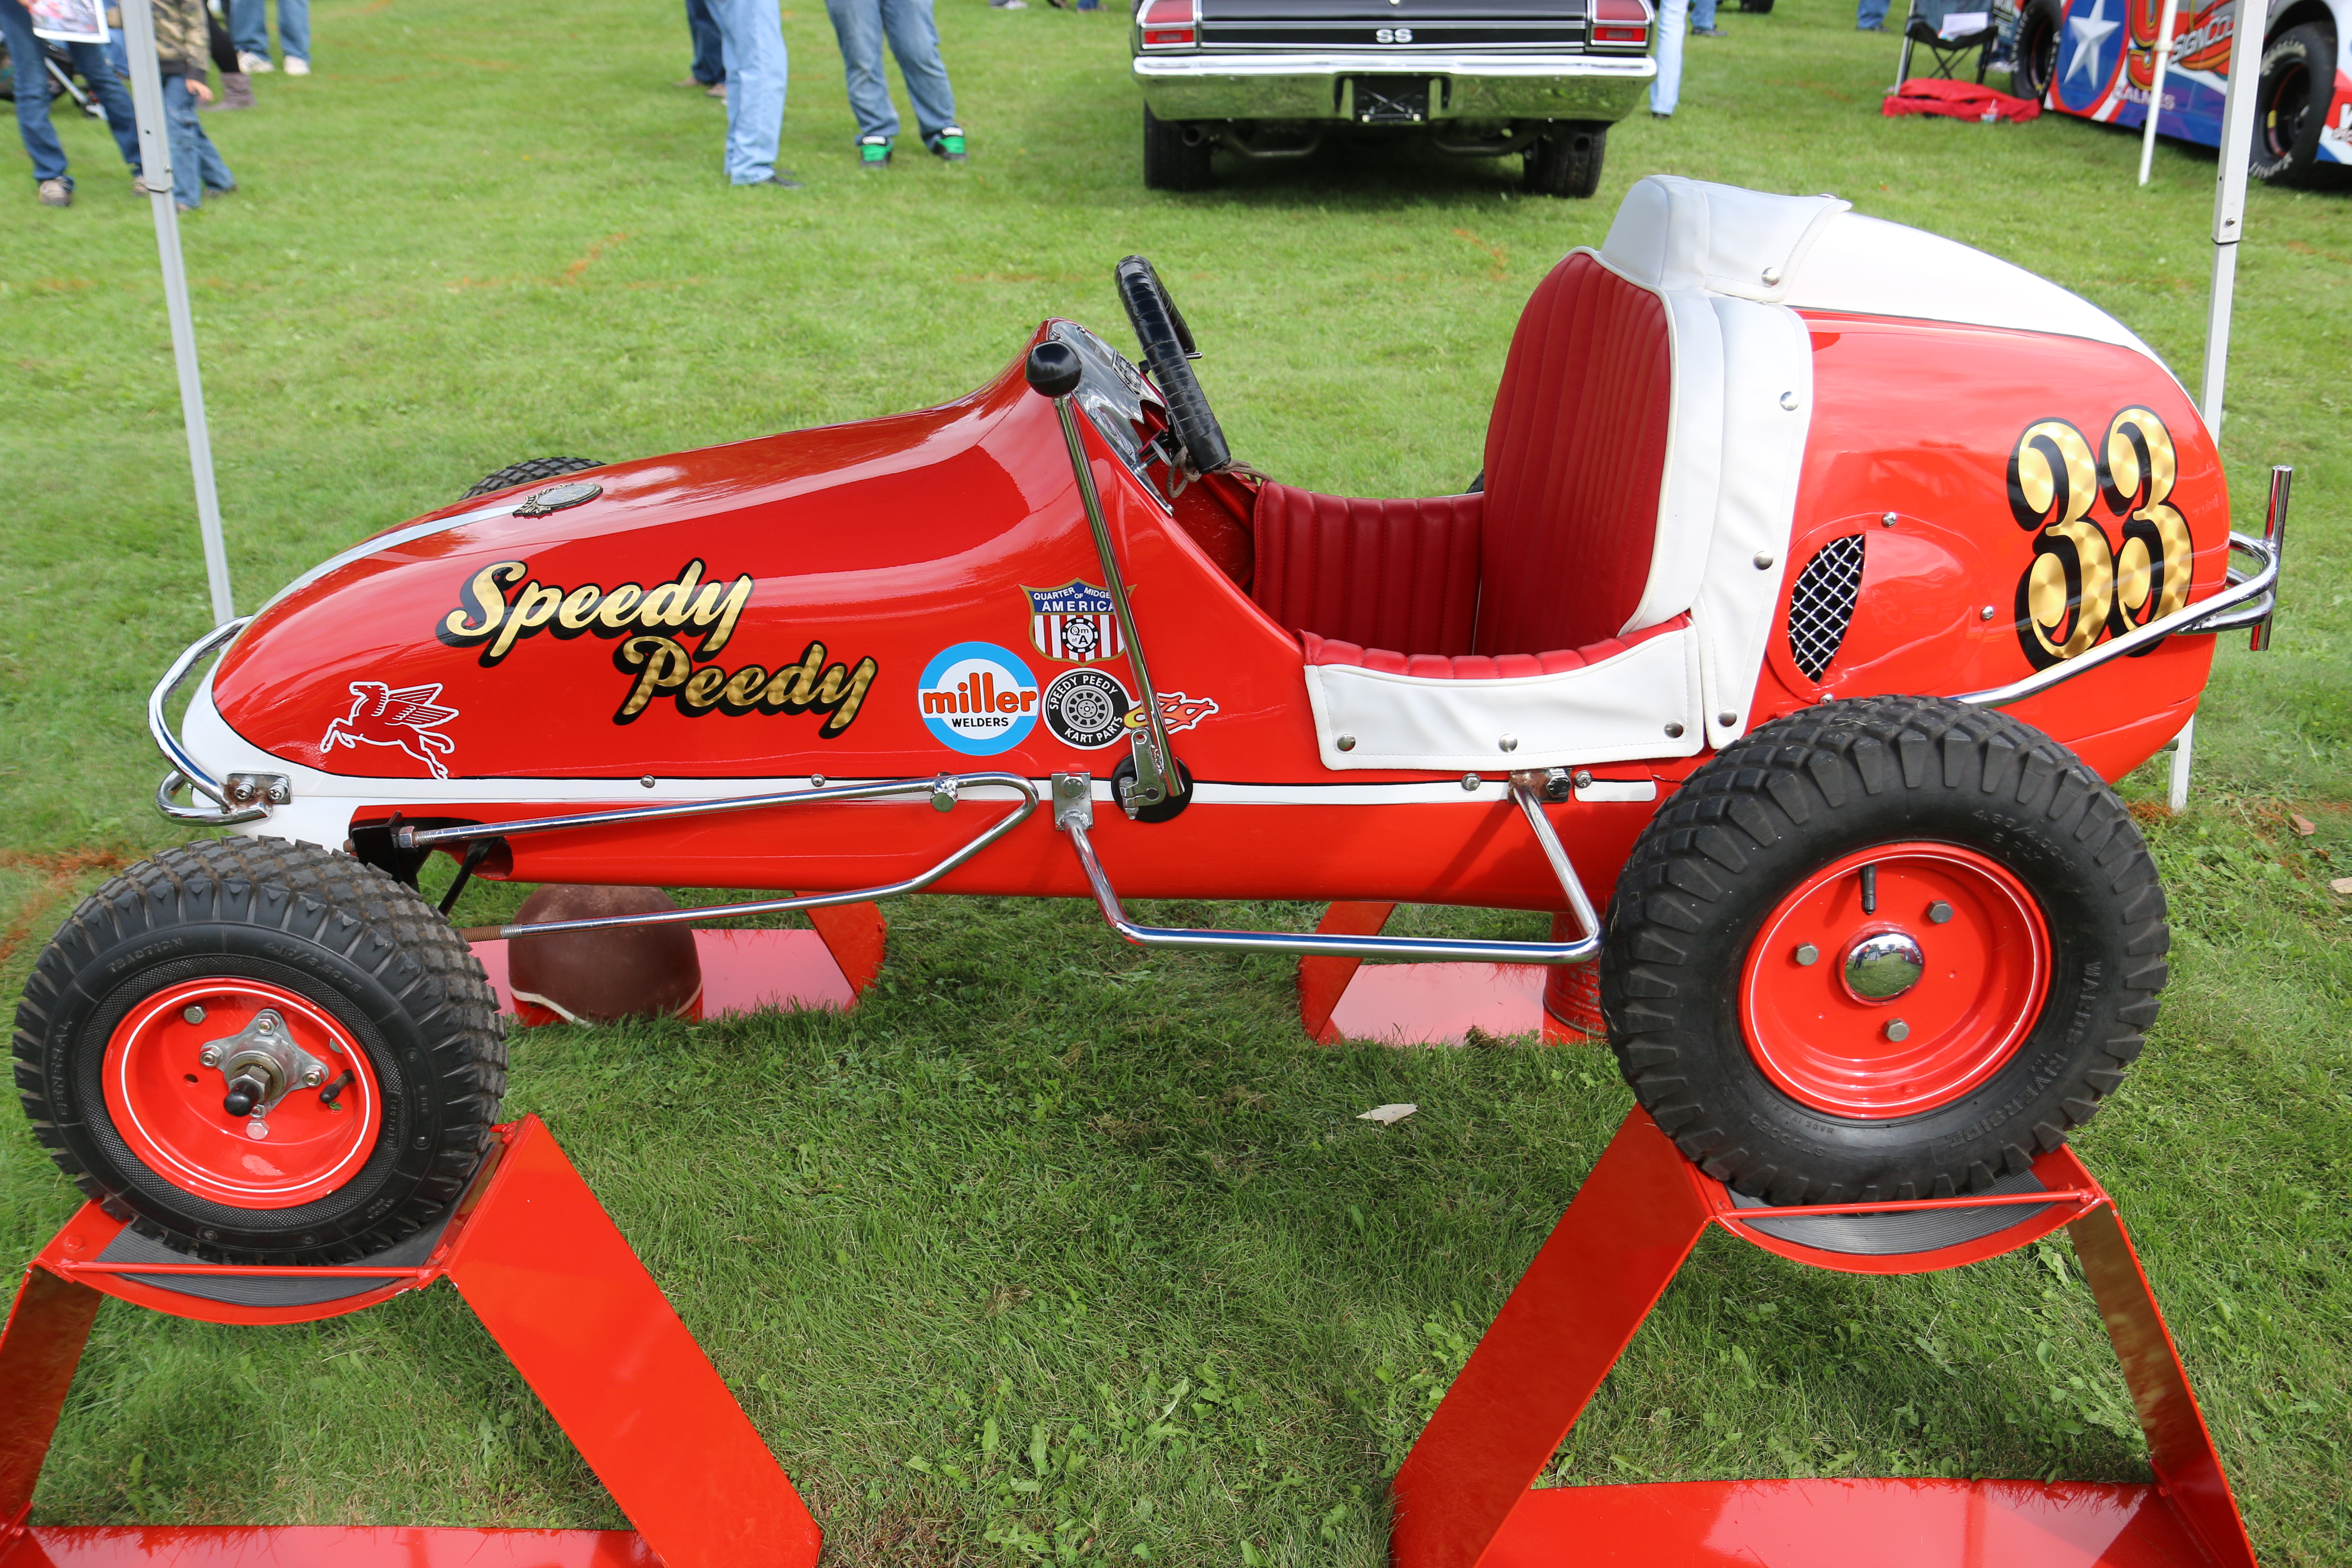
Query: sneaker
[[229, 189], [254, 65], [948, 145], [297, 65], [1008, 5], [873, 151], [1661, 114], [55, 192], [781, 177], [1707, 32], [1870, 26]]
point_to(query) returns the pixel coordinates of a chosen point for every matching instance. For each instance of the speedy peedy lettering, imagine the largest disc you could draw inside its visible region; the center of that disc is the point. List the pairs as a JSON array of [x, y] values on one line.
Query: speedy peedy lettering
[[502, 605]]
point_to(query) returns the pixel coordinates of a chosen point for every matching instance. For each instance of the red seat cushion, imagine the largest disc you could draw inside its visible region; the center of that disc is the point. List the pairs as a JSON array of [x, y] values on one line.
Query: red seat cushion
[[1576, 454], [1478, 665], [1389, 574]]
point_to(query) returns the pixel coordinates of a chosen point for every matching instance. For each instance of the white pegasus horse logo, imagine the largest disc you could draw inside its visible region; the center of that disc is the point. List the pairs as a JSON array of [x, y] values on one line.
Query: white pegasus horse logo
[[406, 719]]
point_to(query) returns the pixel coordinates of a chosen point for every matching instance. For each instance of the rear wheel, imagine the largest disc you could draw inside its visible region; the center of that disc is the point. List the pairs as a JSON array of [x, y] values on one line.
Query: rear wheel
[[2291, 105], [2037, 51], [260, 1052], [1885, 949], [529, 472], [1171, 161], [1566, 159]]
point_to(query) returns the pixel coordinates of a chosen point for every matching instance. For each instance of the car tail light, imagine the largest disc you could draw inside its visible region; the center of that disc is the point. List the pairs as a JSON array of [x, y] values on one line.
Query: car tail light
[[1171, 24], [1620, 21]]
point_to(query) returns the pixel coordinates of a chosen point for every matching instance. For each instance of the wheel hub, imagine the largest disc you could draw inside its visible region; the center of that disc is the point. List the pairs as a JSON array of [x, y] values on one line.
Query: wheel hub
[[261, 1065], [1940, 962]]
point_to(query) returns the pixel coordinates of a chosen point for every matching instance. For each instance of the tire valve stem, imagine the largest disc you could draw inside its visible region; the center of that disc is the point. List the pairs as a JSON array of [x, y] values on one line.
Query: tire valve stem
[[326, 1095], [1870, 889]]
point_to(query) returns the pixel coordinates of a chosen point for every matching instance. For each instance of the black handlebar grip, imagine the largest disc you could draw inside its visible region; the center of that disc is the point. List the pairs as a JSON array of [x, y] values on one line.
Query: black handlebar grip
[[1052, 369]]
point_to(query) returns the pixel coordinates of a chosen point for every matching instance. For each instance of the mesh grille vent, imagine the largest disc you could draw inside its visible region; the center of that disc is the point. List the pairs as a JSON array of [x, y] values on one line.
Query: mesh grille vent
[[1821, 605]]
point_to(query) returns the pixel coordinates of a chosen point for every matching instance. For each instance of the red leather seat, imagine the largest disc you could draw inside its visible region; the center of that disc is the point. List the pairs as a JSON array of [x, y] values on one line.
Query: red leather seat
[[1551, 560]]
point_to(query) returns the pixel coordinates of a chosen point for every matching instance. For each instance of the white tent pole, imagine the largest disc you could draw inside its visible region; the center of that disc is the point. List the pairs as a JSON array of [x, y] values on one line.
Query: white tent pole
[[2156, 87], [155, 172], [2229, 222]]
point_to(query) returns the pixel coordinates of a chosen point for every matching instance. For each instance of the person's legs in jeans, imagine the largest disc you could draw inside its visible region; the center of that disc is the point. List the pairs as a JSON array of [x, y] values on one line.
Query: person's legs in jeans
[[754, 37], [248, 25], [915, 41], [857, 25], [294, 29], [709, 66], [1666, 87], [41, 144], [1869, 15], [111, 95], [1702, 15], [181, 123]]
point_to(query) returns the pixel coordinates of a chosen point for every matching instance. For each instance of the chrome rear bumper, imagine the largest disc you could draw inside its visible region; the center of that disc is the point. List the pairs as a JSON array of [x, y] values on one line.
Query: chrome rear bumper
[[1478, 86]]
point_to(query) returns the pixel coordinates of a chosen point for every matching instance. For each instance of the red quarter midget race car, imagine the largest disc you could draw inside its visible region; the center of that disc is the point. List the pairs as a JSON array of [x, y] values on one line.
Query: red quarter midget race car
[[1821, 575]]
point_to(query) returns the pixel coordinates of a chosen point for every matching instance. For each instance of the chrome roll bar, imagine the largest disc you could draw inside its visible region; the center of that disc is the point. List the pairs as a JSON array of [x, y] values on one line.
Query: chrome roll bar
[[1074, 814], [942, 791], [2247, 599], [186, 772]]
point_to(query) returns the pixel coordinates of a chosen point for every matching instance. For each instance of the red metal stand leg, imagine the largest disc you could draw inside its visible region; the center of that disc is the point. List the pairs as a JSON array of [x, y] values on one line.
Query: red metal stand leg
[[2180, 1448], [559, 1289], [855, 934], [1607, 1262], [1323, 980], [39, 1349]]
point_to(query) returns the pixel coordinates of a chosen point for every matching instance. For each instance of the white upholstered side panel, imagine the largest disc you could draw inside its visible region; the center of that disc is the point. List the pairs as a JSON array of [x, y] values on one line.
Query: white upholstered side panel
[[1612, 712]]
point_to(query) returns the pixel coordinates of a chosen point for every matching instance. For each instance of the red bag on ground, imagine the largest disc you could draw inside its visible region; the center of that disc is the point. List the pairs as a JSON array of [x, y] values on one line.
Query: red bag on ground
[[1956, 101]]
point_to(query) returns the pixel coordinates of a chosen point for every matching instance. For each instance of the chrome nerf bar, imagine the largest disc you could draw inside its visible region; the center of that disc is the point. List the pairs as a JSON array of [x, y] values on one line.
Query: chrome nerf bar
[[186, 772], [942, 791], [2246, 600], [1074, 812]]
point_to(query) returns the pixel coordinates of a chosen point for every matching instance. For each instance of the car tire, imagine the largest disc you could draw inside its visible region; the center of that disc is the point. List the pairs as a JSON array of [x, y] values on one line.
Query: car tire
[[1566, 159], [529, 472], [1756, 7], [2037, 51], [247, 942], [2291, 100], [1171, 162], [1748, 995]]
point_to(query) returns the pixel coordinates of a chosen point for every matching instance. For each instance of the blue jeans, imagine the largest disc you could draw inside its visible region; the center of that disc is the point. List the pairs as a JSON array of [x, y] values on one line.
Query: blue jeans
[[861, 26], [709, 66], [1870, 13], [1666, 87], [41, 144], [753, 38], [196, 165], [1702, 13], [248, 28]]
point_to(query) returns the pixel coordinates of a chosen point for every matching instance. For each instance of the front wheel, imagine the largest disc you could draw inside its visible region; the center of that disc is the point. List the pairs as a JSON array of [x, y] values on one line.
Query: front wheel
[[1882, 950], [1565, 161], [2037, 50], [1175, 156], [260, 1052]]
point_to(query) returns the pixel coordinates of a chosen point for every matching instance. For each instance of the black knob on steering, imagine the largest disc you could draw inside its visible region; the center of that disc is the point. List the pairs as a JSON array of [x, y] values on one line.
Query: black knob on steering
[[244, 1092], [1052, 369]]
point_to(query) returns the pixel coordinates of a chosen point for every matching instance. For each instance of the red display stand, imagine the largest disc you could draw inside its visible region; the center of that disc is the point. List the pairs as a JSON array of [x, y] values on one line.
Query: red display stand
[[1439, 1004], [551, 1278], [1464, 1497], [747, 971]]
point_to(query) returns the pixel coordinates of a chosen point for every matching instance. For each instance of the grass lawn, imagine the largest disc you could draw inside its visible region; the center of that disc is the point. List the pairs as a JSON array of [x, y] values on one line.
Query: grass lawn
[[1055, 1250]]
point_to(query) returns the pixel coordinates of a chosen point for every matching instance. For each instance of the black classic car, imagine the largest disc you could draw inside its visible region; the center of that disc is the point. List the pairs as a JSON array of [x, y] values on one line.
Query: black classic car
[[1481, 78]]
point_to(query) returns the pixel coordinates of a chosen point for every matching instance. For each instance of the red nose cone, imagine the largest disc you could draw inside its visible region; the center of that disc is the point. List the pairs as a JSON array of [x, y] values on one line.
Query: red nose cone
[[629, 971]]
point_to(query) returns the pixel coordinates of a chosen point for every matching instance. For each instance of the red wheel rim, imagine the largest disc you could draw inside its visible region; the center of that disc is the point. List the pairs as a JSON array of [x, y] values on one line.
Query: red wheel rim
[[166, 1104], [1985, 974]]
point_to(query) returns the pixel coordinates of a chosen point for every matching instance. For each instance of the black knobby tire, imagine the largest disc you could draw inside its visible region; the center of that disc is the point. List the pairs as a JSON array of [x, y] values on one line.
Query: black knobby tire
[[1797, 796], [1566, 159], [345, 938], [2037, 51], [2298, 79], [1170, 161], [531, 472]]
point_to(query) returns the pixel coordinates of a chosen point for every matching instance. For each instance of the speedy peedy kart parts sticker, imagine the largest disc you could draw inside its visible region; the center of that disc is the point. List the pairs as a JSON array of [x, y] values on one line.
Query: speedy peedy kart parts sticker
[[502, 605]]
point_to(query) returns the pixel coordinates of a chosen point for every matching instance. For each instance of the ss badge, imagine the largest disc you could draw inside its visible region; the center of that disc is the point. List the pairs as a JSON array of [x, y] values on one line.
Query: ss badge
[[1394, 35]]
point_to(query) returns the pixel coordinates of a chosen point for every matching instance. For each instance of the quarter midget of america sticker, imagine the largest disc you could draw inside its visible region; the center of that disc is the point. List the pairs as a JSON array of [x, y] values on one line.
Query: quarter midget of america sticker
[[978, 698], [1086, 707]]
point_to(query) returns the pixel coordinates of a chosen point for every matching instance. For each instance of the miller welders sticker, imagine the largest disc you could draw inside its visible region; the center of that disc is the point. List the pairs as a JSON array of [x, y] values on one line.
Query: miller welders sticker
[[1086, 709], [978, 698]]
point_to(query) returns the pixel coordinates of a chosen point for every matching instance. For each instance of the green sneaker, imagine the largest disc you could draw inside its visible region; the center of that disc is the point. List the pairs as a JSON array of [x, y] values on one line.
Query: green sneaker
[[873, 151], [949, 145]]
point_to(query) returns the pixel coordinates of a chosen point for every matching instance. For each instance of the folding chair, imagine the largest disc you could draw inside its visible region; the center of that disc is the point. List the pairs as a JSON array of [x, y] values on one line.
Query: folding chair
[[1948, 29]]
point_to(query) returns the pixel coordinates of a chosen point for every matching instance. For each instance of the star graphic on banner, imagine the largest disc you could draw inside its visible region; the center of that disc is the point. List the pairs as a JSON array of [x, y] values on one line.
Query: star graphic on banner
[[2091, 35]]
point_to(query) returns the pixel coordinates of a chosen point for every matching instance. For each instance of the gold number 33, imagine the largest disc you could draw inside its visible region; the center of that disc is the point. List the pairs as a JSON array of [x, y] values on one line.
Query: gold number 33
[[2078, 587]]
